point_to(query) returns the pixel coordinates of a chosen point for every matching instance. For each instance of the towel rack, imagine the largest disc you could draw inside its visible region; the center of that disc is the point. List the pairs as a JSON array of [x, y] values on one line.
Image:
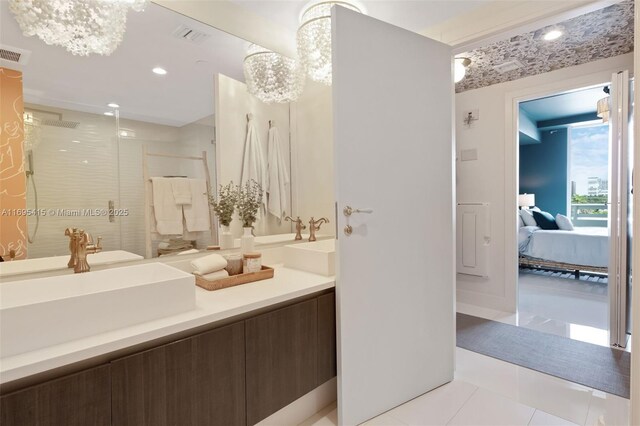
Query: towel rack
[[148, 191]]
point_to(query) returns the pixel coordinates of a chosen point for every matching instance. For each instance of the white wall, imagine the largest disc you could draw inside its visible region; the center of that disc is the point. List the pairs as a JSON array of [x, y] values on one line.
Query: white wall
[[233, 103], [493, 177], [312, 154]]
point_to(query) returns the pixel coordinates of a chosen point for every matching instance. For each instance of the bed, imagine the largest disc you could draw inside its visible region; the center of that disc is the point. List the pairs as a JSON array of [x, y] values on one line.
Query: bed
[[583, 249]]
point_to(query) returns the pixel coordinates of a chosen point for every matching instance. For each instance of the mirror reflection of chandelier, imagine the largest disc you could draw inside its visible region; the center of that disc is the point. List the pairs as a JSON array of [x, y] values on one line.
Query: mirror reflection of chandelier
[[272, 77], [81, 26]]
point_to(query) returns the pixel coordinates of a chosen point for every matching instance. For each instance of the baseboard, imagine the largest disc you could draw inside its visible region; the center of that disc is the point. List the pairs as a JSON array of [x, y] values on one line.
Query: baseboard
[[304, 407]]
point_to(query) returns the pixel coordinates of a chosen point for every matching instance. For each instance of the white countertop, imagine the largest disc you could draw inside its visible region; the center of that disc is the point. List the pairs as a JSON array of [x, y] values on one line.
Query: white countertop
[[211, 307]]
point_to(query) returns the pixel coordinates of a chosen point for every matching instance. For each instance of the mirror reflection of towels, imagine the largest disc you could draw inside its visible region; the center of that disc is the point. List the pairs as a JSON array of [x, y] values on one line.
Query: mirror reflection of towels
[[181, 188], [196, 214], [277, 186]]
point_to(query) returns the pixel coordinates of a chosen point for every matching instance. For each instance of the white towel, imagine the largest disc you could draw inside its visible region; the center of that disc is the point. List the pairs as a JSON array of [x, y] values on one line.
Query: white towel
[[196, 214], [277, 177], [215, 276], [207, 264], [167, 213], [253, 167], [181, 190], [192, 251]]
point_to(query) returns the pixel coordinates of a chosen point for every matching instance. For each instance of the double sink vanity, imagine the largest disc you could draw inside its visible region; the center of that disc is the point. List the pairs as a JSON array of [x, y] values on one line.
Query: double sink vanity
[[142, 345]]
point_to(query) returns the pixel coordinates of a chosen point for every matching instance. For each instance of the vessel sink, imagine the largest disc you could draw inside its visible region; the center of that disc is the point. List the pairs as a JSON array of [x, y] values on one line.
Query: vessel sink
[[318, 257], [38, 313], [43, 264]]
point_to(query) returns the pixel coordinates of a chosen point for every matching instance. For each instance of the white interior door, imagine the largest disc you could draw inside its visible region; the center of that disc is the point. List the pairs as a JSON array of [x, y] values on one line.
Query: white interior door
[[392, 103], [619, 223]]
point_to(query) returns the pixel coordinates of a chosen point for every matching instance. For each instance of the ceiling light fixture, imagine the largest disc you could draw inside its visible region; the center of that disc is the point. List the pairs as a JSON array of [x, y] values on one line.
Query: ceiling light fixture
[[552, 35], [159, 71], [109, 113], [82, 27], [272, 77], [460, 68], [314, 39], [113, 105]]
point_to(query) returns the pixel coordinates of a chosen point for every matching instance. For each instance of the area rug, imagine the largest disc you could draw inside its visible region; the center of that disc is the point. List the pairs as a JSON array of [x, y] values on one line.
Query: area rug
[[594, 366]]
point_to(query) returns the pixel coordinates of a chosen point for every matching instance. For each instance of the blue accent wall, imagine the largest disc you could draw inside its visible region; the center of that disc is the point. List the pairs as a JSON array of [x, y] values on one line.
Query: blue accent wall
[[544, 169]]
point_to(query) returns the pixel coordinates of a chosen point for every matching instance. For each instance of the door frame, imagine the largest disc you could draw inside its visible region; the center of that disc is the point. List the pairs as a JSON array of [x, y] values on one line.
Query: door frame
[[512, 159]]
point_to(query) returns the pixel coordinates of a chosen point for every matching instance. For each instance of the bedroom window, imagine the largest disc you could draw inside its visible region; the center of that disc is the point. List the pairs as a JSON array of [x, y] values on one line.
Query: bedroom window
[[589, 171]]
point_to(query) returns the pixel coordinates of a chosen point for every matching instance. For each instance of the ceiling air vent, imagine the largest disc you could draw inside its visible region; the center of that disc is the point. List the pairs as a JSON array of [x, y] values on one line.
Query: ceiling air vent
[[13, 54], [189, 34], [508, 66]]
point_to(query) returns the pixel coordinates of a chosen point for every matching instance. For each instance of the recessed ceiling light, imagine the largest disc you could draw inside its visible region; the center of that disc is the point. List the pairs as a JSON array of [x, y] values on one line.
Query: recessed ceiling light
[[62, 150], [552, 35], [113, 105], [85, 161], [75, 141], [109, 113], [159, 71]]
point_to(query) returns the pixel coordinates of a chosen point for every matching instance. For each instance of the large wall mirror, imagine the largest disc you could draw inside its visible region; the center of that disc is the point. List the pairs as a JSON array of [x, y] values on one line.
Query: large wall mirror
[[170, 102]]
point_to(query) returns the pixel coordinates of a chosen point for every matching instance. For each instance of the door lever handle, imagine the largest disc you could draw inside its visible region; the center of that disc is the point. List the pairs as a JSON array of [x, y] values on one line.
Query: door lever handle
[[348, 211]]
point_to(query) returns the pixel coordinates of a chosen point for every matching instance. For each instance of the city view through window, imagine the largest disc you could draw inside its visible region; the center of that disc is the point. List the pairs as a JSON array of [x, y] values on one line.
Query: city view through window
[[589, 171]]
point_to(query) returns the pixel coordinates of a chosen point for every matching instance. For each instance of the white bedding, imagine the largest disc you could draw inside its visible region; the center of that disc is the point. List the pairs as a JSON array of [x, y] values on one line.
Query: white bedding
[[583, 246]]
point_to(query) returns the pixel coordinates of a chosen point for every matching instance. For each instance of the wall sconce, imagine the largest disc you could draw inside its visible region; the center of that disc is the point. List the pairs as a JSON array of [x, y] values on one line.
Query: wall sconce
[[460, 68]]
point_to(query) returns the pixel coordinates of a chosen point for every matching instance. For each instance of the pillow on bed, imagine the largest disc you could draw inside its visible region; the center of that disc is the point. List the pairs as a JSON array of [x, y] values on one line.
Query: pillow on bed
[[564, 223], [520, 221], [545, 220], [527, 217]]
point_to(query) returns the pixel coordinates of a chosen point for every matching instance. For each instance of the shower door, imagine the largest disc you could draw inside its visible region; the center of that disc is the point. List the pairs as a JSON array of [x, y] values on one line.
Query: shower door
[[72, 177]]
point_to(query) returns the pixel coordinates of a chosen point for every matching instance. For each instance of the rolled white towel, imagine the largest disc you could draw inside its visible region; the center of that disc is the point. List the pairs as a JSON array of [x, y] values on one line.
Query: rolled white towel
[[214, 276], [207, 264], [192, 251]]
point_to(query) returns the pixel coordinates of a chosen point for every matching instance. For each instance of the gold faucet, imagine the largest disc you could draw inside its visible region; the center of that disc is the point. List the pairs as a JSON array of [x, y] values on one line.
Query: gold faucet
[[72, 233], [81, 244], [314, 225], [299, 226]]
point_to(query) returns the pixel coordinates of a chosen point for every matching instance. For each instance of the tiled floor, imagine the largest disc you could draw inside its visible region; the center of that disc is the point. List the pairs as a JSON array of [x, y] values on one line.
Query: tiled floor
[[487, 391], [577, 309]]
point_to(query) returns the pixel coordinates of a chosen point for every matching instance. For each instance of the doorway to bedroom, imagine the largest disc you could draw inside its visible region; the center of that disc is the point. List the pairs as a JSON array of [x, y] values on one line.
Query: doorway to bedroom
[[563, 238]]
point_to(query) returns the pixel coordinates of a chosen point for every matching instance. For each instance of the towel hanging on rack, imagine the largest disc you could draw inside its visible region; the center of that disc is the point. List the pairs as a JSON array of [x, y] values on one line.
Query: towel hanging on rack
[[253, 164], [277, 176]]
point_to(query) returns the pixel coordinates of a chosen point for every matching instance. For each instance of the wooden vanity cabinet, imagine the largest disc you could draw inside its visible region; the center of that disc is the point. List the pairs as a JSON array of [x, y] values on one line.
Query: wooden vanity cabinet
[[327, 356], [282, 351], [237, 374], [196, 381], [79, 399]]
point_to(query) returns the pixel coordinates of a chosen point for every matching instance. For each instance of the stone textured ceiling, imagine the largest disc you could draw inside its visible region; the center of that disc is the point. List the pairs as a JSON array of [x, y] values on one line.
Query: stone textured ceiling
[[597, 35]]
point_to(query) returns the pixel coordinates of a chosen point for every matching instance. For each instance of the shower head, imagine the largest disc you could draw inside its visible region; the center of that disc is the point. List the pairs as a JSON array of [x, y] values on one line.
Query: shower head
[[29, 171]]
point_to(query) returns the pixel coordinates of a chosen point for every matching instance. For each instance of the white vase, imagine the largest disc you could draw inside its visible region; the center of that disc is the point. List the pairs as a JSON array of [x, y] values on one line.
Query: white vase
[[247, 241], [226, 238]]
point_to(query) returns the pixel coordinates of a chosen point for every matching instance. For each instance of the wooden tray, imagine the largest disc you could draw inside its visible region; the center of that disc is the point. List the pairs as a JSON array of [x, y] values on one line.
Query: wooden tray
[[264, 274]]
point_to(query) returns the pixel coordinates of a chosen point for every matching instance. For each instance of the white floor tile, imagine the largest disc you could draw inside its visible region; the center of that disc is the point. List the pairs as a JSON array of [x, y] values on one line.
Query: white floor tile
[[486, 372], [540, 418], [613, 410], [561, 398], [491, 409], [328, 416], [565, 307], [477, 311], [384, 420], [436, 407]]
